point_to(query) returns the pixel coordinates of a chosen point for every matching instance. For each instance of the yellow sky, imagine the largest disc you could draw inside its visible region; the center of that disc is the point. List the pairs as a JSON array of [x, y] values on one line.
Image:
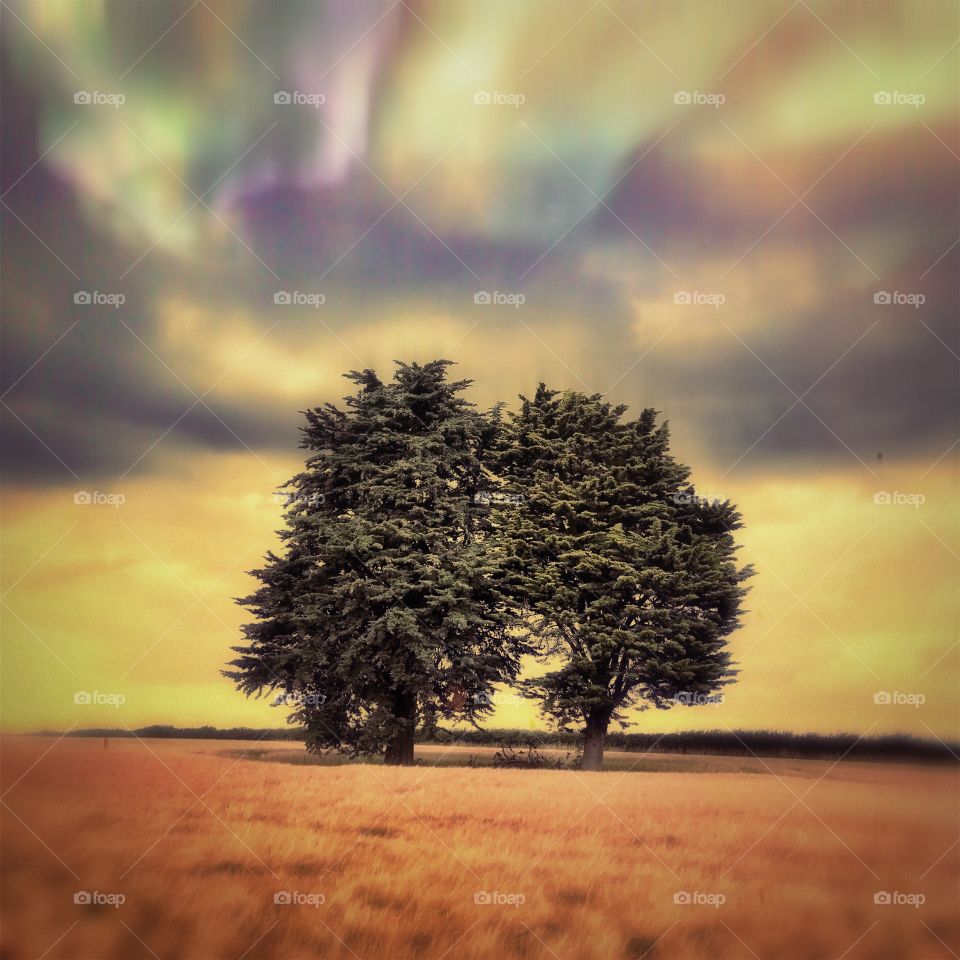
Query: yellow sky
[[852, 597], [821, 188]]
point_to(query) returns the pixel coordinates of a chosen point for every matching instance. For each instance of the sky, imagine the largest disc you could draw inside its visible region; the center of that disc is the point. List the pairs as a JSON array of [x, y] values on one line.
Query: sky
[[743, 214]]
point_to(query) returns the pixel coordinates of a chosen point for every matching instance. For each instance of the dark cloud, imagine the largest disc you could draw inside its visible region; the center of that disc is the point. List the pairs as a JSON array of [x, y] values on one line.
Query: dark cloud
[[99, 399]]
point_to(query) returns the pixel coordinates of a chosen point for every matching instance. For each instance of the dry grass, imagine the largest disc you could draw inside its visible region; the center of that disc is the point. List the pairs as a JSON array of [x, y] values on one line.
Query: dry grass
[[199, 838]]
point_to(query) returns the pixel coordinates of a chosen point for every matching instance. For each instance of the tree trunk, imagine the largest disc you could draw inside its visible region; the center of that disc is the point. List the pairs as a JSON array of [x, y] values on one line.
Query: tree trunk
[[593, 738], [399, 752]]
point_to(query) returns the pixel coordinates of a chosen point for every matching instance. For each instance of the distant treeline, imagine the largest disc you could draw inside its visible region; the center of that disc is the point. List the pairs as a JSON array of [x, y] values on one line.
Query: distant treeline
[[189, 733], [733, 743]]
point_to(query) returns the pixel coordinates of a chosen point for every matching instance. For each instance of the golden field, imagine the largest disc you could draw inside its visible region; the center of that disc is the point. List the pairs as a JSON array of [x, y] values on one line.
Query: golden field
[[780, 858]]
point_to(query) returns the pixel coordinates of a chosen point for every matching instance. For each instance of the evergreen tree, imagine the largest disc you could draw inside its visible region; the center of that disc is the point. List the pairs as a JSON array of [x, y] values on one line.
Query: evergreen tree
[[627, 579], [382, 608]]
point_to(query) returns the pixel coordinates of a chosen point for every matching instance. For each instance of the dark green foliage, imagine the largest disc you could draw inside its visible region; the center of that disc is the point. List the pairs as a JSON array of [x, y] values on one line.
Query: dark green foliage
[[421, 531], [530, 758], [628, 580], [382, 608]]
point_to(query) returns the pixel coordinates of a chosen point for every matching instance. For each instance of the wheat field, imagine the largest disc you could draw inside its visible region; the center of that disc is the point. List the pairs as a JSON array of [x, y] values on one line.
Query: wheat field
[[202, 849]]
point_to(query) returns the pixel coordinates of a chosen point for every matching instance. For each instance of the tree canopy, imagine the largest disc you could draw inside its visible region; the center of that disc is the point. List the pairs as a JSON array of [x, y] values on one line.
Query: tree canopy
[[428, 545], [626, 577], [382, 610]]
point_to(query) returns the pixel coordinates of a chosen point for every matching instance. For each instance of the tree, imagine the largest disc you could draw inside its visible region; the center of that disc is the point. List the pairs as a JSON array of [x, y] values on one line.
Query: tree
[[627, 579], [382, 610]]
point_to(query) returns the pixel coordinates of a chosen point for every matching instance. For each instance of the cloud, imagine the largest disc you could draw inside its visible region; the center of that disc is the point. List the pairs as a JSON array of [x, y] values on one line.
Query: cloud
[[599, 198]]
